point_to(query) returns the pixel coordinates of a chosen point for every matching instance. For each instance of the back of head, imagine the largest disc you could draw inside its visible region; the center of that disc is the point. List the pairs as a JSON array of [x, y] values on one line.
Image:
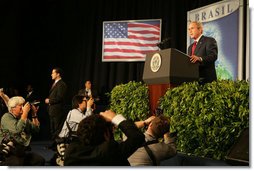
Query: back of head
[[160, 126], [91, 130], [14, 101]]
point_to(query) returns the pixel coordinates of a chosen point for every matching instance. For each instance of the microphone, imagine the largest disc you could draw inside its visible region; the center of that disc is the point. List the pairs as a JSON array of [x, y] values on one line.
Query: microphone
[[163, 42]]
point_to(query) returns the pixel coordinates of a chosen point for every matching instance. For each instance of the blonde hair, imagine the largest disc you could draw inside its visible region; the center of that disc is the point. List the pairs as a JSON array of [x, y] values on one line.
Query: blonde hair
[[14, 101]]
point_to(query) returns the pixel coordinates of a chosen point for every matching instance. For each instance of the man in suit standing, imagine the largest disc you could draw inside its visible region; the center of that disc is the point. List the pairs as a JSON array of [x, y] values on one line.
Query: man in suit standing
[[203, 50], [56, 102]]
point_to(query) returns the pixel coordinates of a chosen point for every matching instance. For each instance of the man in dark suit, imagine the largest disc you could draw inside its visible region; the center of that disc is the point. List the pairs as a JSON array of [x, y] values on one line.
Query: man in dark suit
[[204, 50], [31, 95], [88, 91], [56, 102]]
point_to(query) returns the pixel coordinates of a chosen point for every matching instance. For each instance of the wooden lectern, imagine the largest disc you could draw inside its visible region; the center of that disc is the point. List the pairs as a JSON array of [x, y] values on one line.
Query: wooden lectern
[[165, 69]]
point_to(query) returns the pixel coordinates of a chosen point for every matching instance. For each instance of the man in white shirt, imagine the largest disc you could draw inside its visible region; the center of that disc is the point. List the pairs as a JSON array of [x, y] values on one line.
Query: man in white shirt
[[80, 104]]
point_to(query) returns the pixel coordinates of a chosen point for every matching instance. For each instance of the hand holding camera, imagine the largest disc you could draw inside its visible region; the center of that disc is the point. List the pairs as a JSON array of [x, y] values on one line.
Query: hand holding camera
[[26, 107], [90, 102]]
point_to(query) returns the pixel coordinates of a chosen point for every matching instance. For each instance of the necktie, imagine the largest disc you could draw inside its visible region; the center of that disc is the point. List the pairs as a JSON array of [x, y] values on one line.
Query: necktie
[[193, 47]]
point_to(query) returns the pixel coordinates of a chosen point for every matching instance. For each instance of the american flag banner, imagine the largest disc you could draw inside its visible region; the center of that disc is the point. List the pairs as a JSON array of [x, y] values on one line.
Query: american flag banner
[[127, 41]]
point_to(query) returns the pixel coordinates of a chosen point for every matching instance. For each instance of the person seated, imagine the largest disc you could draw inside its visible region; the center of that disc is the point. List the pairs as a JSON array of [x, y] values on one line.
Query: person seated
[[154, 150], [19, 128], [96, 146], [80, 104]]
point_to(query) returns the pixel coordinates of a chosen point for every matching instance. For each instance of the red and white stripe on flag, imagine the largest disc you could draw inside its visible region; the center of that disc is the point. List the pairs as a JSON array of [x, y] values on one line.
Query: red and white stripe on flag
[[130, 40]]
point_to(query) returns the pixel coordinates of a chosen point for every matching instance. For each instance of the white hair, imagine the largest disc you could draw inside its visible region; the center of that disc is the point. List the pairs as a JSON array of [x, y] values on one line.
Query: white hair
[[14, 101]]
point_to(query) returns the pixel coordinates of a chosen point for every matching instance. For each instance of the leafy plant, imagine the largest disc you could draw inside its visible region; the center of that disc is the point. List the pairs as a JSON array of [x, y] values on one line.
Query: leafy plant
[[208, 118], [131, 100]]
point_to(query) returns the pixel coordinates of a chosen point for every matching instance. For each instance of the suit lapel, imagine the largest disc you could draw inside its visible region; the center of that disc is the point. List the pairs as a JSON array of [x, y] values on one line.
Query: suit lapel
[[53, 87]]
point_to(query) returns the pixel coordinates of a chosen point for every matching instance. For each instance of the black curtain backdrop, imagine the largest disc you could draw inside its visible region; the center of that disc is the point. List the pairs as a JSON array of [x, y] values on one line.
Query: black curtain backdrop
[[37, 35]]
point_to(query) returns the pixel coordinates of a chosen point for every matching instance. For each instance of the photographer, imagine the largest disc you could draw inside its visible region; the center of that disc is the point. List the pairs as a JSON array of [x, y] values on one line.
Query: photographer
[[154, 150], [96, 146], [20, 129], [81, 109]]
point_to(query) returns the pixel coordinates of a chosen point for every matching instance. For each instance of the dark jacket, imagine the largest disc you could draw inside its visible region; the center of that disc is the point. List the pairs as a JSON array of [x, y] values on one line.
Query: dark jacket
[[57, 97], [208, 50], [109, 153]]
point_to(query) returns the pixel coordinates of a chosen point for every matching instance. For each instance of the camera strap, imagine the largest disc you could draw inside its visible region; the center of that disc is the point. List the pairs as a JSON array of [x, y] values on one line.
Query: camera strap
[[149, 151]]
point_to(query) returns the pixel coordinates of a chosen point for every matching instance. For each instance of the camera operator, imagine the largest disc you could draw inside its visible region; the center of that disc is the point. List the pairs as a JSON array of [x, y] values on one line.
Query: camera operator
[[81, 108], [20, 128], [154, 150]]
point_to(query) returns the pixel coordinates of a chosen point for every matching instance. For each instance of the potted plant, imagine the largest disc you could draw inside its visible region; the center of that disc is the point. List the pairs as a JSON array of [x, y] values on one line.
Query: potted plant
[[131, 100], [208, 118]]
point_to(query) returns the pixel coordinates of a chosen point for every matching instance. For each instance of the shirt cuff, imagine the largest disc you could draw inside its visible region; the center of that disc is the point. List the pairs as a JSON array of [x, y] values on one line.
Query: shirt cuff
[[118, 119], [89, 109]]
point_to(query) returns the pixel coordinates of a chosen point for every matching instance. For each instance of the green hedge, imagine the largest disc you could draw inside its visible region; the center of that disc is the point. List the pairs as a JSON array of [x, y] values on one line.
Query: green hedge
[[131, 100], [207, 118]]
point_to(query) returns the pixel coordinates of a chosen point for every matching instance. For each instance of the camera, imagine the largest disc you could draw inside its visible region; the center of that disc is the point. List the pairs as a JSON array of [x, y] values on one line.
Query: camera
[[87, 98], [35, 103], [158, 111], [94, 99], [173, 134]]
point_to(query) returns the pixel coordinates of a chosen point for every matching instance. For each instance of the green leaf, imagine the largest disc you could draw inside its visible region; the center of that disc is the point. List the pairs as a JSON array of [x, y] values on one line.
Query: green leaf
[[208, 118]]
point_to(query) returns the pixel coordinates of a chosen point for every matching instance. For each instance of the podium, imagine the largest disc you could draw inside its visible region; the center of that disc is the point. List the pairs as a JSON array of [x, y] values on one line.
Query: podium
[[165, 69]]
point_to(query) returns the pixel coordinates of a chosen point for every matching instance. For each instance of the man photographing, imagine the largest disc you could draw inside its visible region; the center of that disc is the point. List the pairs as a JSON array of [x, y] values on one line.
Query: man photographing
[[16, 125]]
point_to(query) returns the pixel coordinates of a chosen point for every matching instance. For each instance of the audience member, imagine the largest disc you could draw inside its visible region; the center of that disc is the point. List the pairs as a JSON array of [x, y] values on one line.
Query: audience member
[[96, 145], [153, 150], [80, 104], [56, 102], [31, 95], [16, 131]]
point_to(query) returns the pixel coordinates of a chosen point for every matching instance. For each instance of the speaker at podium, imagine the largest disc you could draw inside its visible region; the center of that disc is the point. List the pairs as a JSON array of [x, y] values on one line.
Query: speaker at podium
[[165, 69]]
